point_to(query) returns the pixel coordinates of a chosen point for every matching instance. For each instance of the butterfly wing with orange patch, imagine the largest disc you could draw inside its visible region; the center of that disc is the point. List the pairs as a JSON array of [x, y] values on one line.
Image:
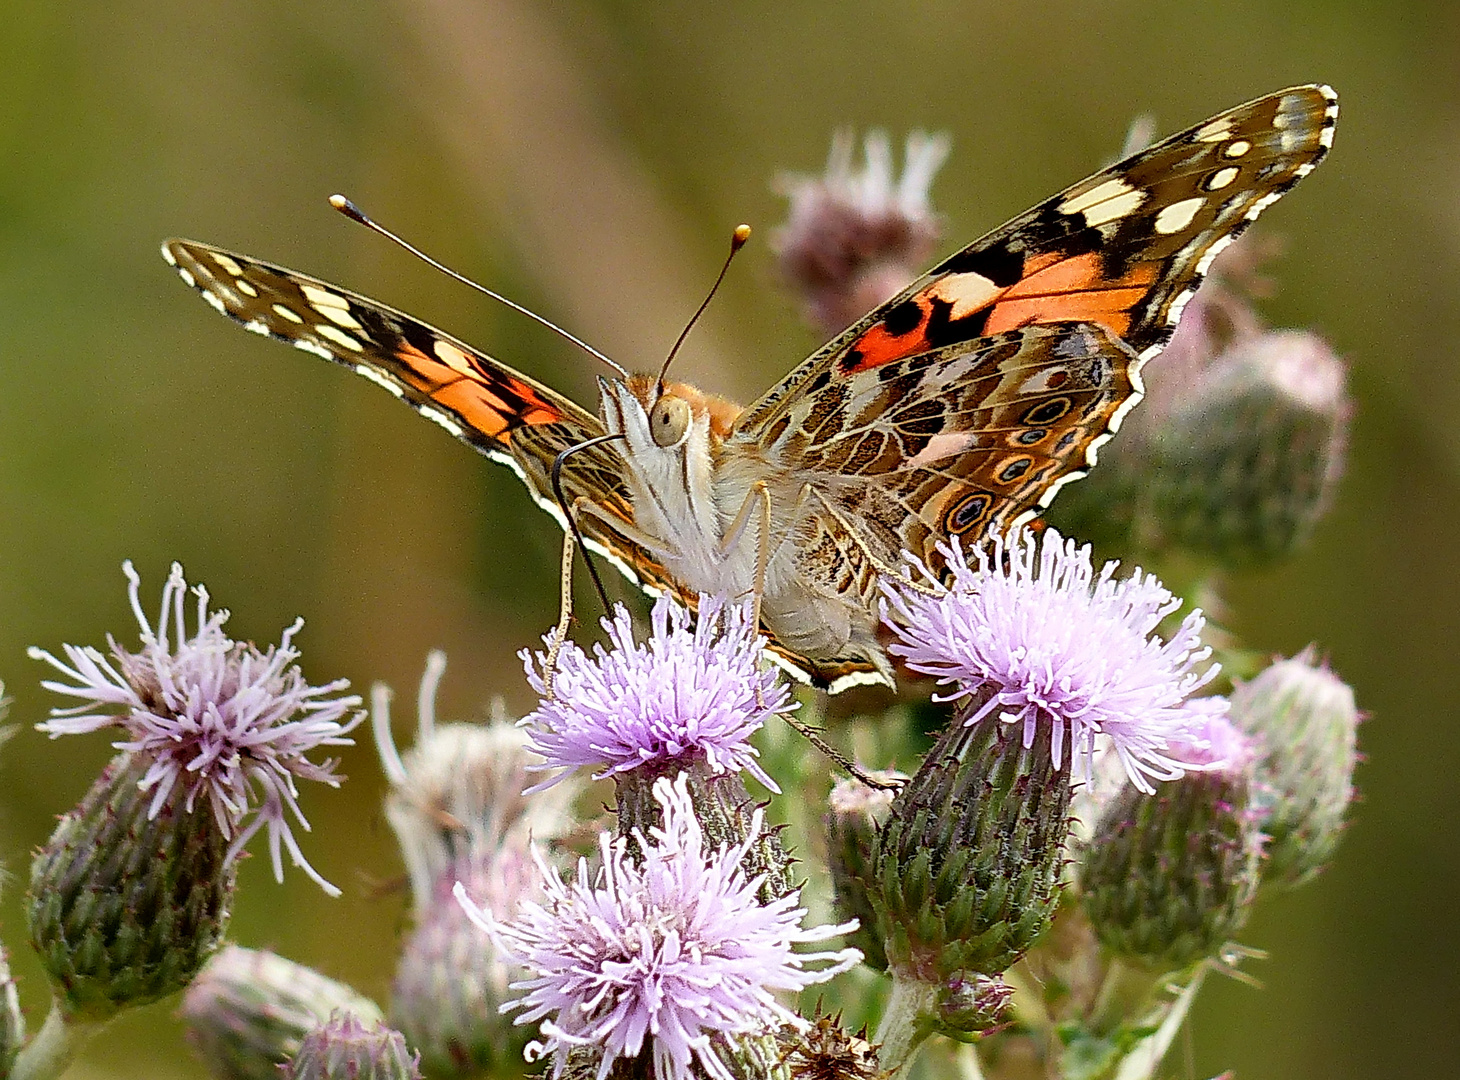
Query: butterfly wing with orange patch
[[962, 405], [501, 412], [1124, 249]]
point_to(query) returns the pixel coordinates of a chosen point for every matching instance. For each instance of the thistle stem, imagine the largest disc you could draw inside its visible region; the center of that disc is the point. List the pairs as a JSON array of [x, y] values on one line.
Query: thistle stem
[[906, 1022], [53, 1049]]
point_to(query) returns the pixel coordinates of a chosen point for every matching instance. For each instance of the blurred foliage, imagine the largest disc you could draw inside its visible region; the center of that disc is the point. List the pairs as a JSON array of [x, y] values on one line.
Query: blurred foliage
[[590, 158]]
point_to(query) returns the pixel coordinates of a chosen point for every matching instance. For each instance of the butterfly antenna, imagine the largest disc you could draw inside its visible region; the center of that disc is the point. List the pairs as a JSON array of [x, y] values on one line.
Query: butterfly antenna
[[354, 213], [737, 241], [557, 481]]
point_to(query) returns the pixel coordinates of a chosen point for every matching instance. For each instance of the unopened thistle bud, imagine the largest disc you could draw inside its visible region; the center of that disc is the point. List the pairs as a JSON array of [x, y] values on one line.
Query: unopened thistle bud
[[854, 814], [1169, 877], [857, 236], [343, 1048], [131, 895], [249, 1011], [1251, 460], [1305, 722], [127, 905]]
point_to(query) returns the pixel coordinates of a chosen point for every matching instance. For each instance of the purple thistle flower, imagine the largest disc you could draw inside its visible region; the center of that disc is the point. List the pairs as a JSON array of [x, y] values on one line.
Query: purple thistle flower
[[1043, 639], [214, 717], [857, 234], [676, 949], [684, 695]]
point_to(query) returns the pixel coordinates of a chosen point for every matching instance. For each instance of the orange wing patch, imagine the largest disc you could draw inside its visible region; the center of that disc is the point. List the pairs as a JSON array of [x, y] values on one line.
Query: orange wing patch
[[965, 305], [491, 403], [1066, 290]]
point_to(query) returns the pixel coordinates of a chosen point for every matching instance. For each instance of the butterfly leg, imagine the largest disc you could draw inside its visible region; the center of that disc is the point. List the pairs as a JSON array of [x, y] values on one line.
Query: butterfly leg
[[565, 616]]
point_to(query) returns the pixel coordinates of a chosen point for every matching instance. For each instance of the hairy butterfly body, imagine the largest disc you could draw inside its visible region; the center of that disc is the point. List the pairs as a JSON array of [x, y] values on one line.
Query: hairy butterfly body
[[956, 409]]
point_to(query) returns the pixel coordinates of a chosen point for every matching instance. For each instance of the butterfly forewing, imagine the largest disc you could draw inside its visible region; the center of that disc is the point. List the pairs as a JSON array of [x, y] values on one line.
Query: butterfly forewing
[[942, 413], [1124, 248], [501, 412]]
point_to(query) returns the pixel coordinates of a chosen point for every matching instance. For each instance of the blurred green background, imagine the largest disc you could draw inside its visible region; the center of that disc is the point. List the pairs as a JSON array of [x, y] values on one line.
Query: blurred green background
[[589, 157]]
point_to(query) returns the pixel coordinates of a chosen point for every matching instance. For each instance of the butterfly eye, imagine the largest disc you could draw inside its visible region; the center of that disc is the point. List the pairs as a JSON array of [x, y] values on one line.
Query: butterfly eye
[[669, 420]]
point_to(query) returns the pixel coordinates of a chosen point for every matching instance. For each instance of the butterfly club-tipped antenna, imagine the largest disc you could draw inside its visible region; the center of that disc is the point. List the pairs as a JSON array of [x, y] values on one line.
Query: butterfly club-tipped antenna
[[738, 239], [354, 213]]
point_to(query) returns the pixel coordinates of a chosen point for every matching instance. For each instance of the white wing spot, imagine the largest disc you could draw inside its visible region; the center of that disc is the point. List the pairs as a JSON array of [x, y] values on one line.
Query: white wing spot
[[167, 256], [436, 416], [452, 357], [187, 276], [1216, 131], [245, 287], [1178, 306], [230, 265], [1177, 216], [1262, 204], [1325, 137], [340, 316], [1237, 149], [257, 326], [1222, 177], [216, 301], [1113, 188], [286, 313], [379, 378], [339, 337], [1060, 481], [1219, 245], [1114, 209], [312, 347], [323, 298], [1303, 170]]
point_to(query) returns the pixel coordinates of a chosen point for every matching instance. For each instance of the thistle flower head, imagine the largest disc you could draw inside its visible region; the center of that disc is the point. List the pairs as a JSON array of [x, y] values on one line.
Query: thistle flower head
[[855, 236], [686, 695], [675, 949], [456, 795], [214, 719], [1045, 641]]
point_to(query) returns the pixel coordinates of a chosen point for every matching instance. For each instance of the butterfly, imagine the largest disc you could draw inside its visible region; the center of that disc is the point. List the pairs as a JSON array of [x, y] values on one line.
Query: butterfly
[[957, 409]]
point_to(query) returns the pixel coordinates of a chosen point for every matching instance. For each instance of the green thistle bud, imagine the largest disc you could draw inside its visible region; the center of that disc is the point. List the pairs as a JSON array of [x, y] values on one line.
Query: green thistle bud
[[249, 1011], [1169, 878], [968, 864], [125, 907], [450, 980], [854, 813], [345, 1049], [966, 1008], [1249, 462], [1306, 723]]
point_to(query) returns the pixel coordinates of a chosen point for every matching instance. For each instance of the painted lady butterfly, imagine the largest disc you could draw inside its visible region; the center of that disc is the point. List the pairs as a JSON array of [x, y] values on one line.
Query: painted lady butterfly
[[957, 408]]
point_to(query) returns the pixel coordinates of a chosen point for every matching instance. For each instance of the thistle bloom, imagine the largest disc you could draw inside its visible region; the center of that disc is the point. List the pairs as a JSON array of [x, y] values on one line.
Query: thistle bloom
[[685, 695], [856, 236], [213, 718], [1041, 639], [676, 949]]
